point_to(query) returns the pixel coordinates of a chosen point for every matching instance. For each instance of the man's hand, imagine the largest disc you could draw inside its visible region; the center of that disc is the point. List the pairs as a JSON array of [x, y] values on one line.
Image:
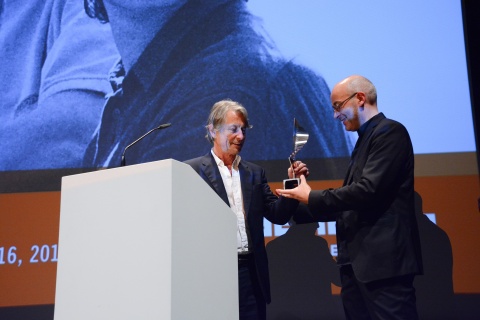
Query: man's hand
[[299, 193], [299, 168]]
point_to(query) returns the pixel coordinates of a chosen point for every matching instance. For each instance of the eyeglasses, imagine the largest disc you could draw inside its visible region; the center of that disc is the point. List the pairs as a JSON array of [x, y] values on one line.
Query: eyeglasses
[[234, 129], [337, 107]]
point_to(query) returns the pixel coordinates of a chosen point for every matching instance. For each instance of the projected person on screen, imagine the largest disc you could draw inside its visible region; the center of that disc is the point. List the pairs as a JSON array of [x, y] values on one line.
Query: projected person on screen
[[53, 82], [377, 235], [243, 186], [180, 56]]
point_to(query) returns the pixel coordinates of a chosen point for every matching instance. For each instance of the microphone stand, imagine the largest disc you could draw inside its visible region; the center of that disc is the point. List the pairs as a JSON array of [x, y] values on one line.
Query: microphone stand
[[162, 126]]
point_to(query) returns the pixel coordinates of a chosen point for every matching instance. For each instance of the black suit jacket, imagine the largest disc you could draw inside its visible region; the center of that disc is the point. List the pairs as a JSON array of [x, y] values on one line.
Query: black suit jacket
[[259, 202], [374, 210]]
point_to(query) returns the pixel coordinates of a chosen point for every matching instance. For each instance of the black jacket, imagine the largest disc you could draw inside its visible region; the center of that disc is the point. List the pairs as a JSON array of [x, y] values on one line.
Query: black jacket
[[374, 211], [259, 202]]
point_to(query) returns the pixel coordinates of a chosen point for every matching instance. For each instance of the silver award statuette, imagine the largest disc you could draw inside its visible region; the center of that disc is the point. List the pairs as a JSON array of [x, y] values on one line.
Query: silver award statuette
[[300, 137]]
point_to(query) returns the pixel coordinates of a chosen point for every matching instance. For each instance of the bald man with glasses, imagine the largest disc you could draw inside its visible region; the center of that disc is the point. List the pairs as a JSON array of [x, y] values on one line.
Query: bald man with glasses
[[377, 234]]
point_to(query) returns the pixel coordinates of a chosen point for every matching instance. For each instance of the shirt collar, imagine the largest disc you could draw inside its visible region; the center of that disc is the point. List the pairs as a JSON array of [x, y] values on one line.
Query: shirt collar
[[363, 128], [220, 162], [160, 50]]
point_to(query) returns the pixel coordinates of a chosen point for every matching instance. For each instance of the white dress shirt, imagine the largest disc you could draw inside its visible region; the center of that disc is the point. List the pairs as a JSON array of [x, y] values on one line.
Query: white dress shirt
[[231, 181]]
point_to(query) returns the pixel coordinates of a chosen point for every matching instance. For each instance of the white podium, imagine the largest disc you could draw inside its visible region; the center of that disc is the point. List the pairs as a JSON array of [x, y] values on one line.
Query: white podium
[[149, 241]]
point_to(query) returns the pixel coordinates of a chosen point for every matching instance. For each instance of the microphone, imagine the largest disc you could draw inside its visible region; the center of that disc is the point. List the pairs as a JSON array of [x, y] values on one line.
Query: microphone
[[160, 127]]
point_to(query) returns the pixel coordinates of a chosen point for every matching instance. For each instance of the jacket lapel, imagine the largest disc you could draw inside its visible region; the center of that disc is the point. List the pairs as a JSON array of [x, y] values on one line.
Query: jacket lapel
[[211, 172], [246, 176], [357, 161]]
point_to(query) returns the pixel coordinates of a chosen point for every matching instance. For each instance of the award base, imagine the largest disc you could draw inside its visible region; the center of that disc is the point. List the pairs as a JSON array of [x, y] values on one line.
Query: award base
[[291, 183]]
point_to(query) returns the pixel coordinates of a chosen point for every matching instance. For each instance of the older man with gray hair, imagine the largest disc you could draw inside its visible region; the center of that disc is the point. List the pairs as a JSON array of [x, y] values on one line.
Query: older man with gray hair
[[243, 186]]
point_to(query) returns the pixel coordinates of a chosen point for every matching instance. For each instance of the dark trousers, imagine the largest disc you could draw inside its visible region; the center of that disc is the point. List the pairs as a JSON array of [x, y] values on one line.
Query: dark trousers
[[391, 299], [251, 302]]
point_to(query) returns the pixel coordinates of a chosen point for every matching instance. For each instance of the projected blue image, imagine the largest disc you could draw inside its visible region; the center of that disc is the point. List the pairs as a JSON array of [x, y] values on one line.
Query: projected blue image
[[178, 60], [53, 82], [201, 54]]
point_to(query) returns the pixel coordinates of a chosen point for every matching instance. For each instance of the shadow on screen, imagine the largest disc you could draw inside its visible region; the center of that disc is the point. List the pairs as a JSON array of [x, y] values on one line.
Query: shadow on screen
[[435, 295], [302, 270], [301, 273]]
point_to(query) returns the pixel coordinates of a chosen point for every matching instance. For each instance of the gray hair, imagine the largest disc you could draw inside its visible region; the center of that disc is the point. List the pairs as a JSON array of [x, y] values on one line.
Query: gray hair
[[362, 84], [218, 113]]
